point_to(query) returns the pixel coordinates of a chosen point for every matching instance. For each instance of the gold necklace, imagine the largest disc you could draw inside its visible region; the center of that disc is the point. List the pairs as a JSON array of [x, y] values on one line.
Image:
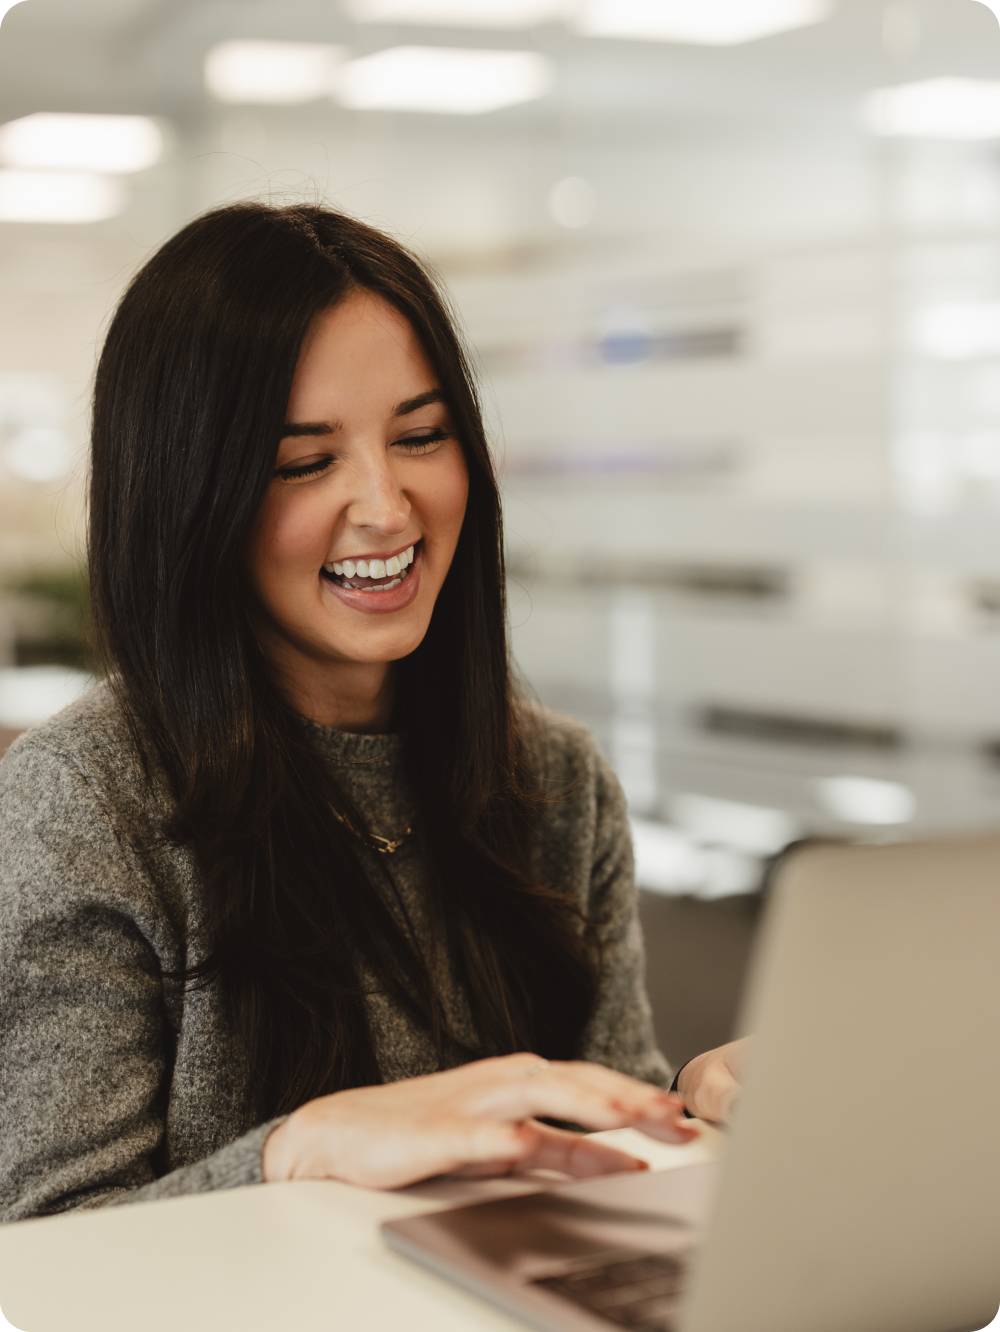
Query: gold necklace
[[385, 846]]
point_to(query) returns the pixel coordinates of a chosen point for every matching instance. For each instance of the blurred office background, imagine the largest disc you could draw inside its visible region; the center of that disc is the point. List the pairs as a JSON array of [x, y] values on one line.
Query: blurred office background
[[732, 277]]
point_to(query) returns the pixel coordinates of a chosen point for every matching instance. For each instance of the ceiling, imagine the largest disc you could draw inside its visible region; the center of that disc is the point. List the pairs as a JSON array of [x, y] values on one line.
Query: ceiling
[[146, 56]]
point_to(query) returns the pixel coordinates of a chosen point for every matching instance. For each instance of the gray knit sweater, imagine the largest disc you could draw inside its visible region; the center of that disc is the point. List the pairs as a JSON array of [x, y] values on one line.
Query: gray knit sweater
[[115, 1088]]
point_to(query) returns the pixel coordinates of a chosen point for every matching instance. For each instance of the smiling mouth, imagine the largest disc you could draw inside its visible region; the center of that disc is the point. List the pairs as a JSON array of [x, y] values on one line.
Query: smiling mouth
[[374, 585]]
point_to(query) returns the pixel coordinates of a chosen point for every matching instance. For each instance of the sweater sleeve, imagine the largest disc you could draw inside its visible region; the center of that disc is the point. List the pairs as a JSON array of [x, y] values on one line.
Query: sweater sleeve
[[84, 1042], [620, 1033]]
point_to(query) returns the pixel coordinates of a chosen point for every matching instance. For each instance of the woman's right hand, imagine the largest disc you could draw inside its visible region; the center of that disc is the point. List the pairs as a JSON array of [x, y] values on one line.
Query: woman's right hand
[[478, 1119]]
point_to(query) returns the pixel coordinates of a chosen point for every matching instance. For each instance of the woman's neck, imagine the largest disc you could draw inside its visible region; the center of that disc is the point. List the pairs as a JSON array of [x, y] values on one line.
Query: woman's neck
[[358, 698]]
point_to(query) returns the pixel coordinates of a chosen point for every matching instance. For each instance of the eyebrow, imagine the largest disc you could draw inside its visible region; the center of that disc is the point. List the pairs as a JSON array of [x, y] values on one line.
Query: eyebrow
[[293, 428]]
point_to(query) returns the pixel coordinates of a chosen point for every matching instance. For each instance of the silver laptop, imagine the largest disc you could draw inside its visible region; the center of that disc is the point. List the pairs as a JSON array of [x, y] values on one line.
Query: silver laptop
[[859, 1187]]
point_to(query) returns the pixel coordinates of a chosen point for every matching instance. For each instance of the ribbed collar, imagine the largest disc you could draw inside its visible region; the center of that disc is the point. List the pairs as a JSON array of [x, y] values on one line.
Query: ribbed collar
[[362, 748]]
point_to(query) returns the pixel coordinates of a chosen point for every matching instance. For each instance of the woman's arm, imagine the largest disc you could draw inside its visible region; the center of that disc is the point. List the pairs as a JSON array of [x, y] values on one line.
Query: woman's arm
[[83, 1035], [620, 1033]]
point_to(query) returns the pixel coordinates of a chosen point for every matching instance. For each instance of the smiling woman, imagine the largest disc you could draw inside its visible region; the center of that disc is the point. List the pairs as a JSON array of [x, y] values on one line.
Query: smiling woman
[[397, 482], [308, 836]]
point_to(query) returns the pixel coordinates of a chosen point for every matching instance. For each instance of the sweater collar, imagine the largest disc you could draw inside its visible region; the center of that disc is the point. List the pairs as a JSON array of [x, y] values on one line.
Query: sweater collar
[[355, 747]]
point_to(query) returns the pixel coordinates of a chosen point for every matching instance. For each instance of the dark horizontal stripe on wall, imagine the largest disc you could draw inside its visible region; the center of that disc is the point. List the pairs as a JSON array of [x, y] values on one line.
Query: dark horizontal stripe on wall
[[617, 347], [657, 458], [709, 580], [786, 728]]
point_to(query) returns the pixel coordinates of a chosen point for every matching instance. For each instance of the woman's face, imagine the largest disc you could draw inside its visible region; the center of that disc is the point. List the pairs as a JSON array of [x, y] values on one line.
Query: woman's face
[[367, 468]]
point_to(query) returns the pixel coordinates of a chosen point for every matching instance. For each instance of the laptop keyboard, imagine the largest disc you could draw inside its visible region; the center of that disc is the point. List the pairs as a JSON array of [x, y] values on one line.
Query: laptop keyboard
[[639, 1291]]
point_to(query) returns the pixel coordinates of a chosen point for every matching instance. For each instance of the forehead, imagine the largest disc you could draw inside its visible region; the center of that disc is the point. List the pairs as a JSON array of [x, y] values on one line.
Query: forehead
[[361, 354]]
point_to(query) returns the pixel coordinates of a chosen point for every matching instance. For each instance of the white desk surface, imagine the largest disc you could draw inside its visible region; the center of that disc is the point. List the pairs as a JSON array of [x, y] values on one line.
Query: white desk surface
[[296, 1257]]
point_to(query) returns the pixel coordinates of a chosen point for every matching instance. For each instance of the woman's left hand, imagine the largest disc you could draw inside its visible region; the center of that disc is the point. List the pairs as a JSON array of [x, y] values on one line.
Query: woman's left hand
[[711, 1082]]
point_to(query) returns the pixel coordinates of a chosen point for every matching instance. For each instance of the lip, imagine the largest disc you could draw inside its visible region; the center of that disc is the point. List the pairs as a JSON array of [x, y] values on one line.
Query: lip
[[381, 603], [387, 556]]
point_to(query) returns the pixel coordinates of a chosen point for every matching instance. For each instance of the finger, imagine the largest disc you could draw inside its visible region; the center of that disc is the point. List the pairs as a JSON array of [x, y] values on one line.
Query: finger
[[717, 1094], [736, 1056], [496, 1143], [484, 1170], [678, 1131], [641, 1097], [562, 1091], [662, 1112], [439, 1147], [576, 1154]]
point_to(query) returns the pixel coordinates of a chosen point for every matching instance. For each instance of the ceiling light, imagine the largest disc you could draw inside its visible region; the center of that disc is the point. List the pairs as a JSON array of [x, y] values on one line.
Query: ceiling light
[[30, 695], [992, 5], [6, 6], [58, 196], [572, 202], [443, 79], [81, 142], [936, 109], [866, 800], [705, 22], [461, 13], [39, 453], [278, 73], [956, 330]]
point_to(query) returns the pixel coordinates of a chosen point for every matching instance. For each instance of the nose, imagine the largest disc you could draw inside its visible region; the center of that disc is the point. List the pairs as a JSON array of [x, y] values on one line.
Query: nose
[[377, 502]]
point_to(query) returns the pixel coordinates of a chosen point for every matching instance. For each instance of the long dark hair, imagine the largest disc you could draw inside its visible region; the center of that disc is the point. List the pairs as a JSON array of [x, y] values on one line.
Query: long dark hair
[[190, 395]]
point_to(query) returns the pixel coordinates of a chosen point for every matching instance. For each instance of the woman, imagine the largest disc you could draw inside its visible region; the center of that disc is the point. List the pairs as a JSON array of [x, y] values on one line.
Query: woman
[[305, 888]]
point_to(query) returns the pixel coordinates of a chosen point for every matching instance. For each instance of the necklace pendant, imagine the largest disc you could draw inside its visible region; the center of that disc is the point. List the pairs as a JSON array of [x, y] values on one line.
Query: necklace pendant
[[387, 845]]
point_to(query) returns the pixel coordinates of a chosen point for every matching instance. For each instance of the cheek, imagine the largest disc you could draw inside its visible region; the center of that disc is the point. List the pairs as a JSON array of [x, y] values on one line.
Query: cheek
[[451, 496], [287, 536]]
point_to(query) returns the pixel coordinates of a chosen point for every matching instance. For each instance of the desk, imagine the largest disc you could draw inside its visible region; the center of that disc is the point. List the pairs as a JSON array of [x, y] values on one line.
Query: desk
[[297, 1257]]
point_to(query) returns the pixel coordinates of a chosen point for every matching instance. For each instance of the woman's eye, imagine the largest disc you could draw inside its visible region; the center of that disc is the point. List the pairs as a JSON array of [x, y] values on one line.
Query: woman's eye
[[287, 473], [415, 444]]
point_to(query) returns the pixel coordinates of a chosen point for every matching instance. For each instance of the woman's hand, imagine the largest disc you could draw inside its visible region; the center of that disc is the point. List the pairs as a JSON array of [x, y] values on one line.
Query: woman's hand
[[710, 1083], [478, 1119]]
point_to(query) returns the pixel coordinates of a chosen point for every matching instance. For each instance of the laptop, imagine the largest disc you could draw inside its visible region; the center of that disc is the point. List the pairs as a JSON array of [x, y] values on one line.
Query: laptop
[[859, 1185]]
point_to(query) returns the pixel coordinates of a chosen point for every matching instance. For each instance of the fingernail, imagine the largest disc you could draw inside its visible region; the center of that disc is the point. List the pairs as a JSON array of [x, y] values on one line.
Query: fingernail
[[640, 1165]]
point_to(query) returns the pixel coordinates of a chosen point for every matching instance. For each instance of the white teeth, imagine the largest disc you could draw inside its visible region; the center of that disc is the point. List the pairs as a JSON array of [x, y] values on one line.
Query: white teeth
[[373, 568]]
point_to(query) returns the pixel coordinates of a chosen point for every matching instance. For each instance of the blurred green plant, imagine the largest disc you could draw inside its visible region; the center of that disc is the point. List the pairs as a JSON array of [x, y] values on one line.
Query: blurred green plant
[[52, 618]]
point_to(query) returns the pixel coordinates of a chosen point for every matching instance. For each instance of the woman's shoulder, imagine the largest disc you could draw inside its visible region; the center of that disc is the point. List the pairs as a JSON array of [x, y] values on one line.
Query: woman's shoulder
[[571, 763], [88, 739], [583, 841], [559, 742]]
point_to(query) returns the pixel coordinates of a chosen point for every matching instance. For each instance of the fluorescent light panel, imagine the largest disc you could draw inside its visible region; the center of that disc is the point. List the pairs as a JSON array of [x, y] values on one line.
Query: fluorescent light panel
[[702, 22], [30, 695], [442, 79], [936, 109], [39, 453], [956, 331], [274, 73], [757, 829], [572, 201], [867, 800], [461, 13], [666, 860], [58, 196], [6, 6], [81, 142]]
